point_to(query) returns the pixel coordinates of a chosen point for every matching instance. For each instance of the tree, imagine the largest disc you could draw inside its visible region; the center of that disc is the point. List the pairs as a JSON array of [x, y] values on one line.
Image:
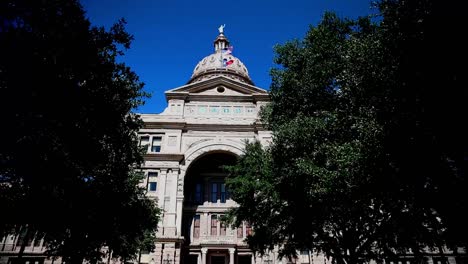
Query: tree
[[361, 163], [69, 154]]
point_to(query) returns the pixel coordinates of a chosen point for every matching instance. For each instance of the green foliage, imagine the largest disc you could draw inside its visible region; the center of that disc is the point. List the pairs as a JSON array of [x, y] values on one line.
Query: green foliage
[[362, 165], [69, 150]]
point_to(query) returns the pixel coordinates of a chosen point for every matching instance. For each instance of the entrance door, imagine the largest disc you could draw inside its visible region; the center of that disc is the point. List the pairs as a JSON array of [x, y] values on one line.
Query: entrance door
[[218, 260], [244, 259]]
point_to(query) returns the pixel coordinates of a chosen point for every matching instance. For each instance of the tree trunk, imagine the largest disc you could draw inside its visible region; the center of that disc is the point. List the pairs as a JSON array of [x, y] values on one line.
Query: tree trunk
[[3, 246], [110, 256], [26, 238]]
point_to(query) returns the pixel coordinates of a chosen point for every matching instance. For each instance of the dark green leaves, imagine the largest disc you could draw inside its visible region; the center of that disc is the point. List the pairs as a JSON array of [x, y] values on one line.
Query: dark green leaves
[[363, 155], [69, 149]]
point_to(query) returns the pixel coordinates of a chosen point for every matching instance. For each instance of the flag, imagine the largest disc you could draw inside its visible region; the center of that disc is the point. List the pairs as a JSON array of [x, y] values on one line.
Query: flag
[[228, 50], [226, 56], [227, 61]]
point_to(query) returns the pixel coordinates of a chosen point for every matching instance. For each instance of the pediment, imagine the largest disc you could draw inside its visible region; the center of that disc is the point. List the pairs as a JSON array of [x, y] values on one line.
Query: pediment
[[218, 86]]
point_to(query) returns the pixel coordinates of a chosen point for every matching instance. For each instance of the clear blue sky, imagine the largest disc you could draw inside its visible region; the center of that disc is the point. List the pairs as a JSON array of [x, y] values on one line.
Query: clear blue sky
[[172, 36]]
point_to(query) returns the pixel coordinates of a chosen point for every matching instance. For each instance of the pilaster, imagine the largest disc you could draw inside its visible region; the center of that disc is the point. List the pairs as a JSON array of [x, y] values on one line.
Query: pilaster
[[203, 255], [231, 255]]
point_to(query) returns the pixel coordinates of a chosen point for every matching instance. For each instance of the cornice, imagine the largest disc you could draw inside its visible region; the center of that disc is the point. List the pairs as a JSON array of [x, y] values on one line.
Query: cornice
[[183, 92], [163, 157], [220, 98], [164, 125], [221, 127], [256, 126], [169, 239]]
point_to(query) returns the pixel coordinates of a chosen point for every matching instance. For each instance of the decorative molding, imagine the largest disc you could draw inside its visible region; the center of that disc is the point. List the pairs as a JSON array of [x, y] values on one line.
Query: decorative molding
[[163, 157], [206, 126], [245, 88], [164, 125], [196, 142], [222, 127], [207, 147]]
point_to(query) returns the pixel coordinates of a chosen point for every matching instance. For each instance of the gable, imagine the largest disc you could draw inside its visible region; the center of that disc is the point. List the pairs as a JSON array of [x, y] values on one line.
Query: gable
[[220, 90], [217, 86]]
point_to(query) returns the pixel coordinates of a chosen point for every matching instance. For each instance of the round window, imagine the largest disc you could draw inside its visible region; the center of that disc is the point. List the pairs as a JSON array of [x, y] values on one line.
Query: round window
[[220, 89]]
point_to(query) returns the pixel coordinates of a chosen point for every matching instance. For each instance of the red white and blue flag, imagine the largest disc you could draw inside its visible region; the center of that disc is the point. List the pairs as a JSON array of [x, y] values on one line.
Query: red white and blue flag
[[226, 59]]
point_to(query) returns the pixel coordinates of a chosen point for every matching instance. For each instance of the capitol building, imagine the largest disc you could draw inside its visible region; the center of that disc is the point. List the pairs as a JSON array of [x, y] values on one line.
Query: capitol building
[[204, 127]]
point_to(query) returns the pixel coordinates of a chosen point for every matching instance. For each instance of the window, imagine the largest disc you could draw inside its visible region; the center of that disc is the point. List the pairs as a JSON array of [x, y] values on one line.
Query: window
[[240, 231], [214, 192], [155, 141], [223, 193], [226, 110], [152, 186], [214, 225], [248, 229], [156, 144], [152, 174], [144, 141], [237, 110], [222, 230], [250, 110], [196, 226], [198, 193], [152, 181], [202, 109], [214, 109], [218, 192]]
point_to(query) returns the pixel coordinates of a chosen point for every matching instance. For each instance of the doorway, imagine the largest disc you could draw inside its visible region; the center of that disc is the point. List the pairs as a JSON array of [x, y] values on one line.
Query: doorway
[[218, 259], [244, 259]]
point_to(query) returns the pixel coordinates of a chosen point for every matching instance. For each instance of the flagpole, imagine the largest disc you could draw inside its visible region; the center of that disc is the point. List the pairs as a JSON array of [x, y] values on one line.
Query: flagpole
[[221, 52]]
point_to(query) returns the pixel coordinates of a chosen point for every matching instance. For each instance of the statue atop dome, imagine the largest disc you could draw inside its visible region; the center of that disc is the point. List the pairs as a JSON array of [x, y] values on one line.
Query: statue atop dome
[[221, 29], [221, 63]]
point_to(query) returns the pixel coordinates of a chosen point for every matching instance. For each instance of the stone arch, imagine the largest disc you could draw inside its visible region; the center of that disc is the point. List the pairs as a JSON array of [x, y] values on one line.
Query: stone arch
[[199, 150], [208, 147], [198, 153]]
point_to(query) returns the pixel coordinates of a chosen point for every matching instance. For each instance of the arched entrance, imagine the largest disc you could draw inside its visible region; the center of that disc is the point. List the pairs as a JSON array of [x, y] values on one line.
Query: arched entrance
[[206, 200], [204, 191]]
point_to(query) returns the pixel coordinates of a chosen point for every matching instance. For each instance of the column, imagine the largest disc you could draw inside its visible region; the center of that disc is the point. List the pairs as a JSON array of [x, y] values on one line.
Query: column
[[231, 255], [162, 186], [157, 255], [203, 255], [253, 258], [162, 191], [180, 202], [204, 225], [170, 199], [177, 255], [179, 205]]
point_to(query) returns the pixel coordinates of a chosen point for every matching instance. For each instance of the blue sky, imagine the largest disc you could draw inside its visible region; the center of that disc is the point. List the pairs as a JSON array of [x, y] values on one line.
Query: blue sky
[[172, 36]]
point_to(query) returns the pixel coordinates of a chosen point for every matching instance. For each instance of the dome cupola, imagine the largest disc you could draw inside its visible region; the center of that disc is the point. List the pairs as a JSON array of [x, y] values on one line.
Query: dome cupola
[[221, 63]]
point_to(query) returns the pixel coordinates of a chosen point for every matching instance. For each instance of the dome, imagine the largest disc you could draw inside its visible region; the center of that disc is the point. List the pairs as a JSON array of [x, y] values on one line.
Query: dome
[[213, 65]]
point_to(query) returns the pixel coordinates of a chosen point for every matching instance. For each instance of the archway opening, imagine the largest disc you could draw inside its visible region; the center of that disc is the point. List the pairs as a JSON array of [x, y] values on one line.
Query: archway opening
[[205, 179], [206, 198]]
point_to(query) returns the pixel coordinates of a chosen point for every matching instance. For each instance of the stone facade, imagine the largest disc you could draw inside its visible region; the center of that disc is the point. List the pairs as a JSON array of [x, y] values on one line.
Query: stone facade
[[204, 127]]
